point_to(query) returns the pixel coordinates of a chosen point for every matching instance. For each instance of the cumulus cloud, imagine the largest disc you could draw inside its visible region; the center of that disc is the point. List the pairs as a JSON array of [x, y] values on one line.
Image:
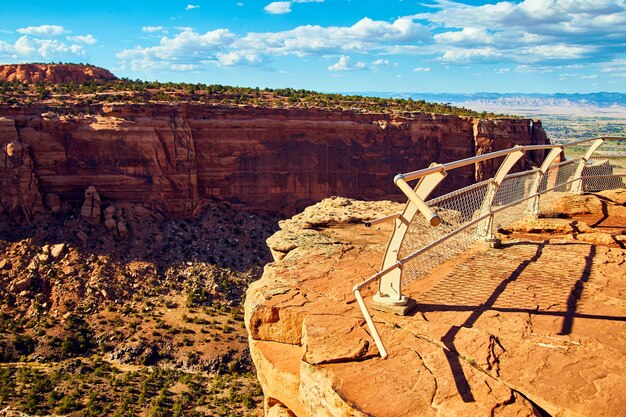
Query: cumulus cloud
[[43, 30], [555, 30], [365, 36], [234, 58], [86, 39], [344, 64], [283, 7], [192, 6], [225, 48], [152, 29], [422, 69], [187, 47], [278, 7], [380, 62], [528, 32], [26, 47]]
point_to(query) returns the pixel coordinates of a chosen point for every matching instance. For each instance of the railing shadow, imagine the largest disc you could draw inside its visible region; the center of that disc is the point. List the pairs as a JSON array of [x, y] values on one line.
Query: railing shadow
[[561, 293], [460, 379], [576, 293]]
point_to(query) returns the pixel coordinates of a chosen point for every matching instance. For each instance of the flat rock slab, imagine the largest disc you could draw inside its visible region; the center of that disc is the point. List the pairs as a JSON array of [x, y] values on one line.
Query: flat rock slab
[[538, 326]]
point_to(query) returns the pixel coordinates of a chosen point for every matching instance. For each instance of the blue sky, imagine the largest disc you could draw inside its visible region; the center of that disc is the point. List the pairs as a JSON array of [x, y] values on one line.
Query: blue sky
[[530, 46]]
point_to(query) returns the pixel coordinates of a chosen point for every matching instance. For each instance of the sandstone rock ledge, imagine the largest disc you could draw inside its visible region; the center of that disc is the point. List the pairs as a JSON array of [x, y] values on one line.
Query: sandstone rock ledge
[[537, 328]]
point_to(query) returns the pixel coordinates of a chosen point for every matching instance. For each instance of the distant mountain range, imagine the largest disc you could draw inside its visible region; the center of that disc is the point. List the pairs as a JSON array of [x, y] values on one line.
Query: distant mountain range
[[508, 101]]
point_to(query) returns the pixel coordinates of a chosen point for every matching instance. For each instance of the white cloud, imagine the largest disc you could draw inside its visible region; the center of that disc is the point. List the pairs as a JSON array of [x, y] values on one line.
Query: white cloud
[[484, 54], [466, 36], [152, 29], [365, 36], [86, 39], [43, 30], [183, 67], [278, 7], [344, 64], [567, 30], [283, 7], [26, 47], [422, 69], [526, 69], [187, 47], [615, 68], [192, 6], [380, 62], [225, 48], [535, 33], [234, 58]]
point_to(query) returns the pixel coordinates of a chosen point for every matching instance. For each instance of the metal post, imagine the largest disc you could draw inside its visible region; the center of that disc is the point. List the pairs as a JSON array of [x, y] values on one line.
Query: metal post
[[370, 324], [485, 228], [389, 296], [533, 205], [577, 185]]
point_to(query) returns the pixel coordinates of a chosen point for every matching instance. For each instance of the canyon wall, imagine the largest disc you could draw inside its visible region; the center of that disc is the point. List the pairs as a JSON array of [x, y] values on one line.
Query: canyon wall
[[172, 158]]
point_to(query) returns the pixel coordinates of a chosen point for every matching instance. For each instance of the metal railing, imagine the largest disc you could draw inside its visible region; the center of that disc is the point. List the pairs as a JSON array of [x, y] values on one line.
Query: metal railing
[[429, 232]]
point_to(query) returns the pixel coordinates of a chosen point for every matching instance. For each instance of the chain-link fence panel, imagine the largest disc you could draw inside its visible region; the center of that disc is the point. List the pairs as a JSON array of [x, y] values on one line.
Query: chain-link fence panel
[[514, 189], [519, 195], [456, 210], [558, 179]]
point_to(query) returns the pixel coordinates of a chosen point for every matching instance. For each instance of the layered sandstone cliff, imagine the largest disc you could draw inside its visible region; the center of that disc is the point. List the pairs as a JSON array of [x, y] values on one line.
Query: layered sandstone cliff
[[173, 158], [535, 328], [53, 73]]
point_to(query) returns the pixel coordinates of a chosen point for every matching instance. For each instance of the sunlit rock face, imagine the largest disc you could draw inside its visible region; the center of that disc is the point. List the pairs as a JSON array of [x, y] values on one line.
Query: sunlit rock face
[[53, 73], [173, 158]]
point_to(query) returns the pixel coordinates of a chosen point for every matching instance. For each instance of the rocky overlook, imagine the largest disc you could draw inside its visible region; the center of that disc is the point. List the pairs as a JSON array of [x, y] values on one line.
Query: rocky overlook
[[53, 73], [535, 328]]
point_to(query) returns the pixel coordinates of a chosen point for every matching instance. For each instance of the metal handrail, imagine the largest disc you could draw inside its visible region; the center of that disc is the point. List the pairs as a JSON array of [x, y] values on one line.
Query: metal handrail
[[512, 154], [413, 175]]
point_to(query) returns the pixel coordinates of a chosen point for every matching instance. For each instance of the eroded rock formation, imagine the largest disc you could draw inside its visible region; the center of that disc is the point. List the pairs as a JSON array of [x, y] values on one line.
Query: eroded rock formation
[[533, 329], [173, 158], [19, 192], [90, 210], [53, 73]]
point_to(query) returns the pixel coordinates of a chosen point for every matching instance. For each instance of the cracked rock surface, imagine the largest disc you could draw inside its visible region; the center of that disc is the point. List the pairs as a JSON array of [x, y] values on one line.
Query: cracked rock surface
[[537, 328]]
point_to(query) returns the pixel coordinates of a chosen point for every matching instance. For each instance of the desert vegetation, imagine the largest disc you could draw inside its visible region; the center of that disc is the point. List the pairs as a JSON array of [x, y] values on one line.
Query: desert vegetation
[[147, 325], [137, 91]]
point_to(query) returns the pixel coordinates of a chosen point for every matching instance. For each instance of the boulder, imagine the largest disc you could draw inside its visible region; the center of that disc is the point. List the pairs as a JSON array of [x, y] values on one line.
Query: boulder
[[110, 224], [23, 284], [57, 250], [5, 264], [122, 229], [53, 203], [82, 236]]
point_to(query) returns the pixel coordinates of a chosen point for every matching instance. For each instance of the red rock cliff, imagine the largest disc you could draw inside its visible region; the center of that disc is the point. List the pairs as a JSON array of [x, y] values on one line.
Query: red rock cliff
[[53, 73], [174, 157]]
